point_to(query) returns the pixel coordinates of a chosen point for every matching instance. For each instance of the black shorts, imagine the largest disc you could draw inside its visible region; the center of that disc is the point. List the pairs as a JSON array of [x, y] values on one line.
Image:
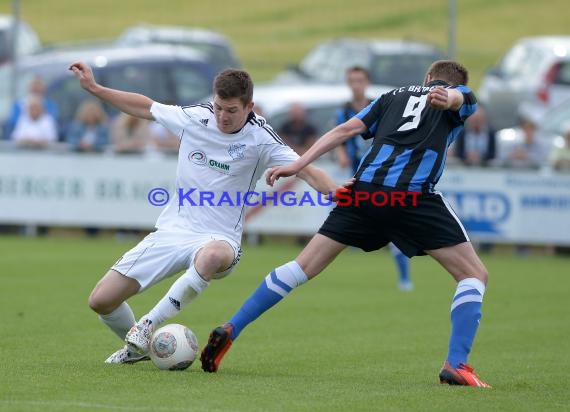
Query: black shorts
[[430, 224]]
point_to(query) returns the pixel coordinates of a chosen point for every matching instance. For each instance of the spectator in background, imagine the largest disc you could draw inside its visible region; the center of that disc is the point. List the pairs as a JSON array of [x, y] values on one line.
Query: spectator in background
[[559, 158], [162, 139], [130, 134], [36, 88], [475, 145], [89, 132], [298, 132], [34, 129], [350, 152], [528, 153]]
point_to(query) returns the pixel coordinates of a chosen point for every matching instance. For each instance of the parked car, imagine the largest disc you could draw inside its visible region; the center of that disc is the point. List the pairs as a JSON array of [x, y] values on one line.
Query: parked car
[[27, 42], [217, 47], [320, 101], [535, 69], [170, 74], [390, 62]]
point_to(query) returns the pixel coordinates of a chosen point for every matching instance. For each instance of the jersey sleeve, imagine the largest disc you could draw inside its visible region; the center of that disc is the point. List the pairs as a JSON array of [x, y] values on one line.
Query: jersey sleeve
[[370, 116], [174, 118], [273, 150], [469, 105]]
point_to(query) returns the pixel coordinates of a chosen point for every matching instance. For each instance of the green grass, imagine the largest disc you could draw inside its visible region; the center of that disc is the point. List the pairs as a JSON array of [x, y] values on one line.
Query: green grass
[[268, 35], [347, 341]]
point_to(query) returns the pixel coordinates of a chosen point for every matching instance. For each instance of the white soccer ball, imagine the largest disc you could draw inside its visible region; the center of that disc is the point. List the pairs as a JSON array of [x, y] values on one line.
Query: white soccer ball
[[173, 347]]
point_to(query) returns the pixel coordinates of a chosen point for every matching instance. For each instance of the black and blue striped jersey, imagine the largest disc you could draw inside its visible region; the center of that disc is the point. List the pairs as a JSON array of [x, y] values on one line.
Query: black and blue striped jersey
[[410, 137]]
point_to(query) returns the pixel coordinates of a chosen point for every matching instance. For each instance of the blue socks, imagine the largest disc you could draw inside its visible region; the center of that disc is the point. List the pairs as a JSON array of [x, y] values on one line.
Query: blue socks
[[403, 263], [465, 316], [272, 289]]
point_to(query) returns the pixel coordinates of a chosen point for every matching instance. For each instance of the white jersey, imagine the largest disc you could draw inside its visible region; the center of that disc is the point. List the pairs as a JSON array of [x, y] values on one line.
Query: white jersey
[[216, 169]]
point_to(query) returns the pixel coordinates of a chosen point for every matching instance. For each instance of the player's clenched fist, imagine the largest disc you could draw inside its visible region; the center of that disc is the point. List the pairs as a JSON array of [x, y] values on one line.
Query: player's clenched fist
[[84, 74], [438, 98]]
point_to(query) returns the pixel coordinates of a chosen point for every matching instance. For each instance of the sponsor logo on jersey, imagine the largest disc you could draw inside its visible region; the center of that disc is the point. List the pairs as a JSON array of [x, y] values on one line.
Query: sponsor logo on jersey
[[222, 167], [236, 151], [198, 157], [204, 122]]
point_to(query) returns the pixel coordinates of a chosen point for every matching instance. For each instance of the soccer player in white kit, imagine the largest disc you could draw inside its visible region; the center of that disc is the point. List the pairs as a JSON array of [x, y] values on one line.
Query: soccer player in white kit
[[224, 148]]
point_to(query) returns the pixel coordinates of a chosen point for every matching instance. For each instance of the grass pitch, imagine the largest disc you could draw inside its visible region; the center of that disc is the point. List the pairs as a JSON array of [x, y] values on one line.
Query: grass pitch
[[348, 340]]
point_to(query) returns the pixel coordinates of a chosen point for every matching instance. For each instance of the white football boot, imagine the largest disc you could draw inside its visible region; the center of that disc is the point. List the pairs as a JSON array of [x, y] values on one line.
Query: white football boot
[[124, 355], [138, 338]]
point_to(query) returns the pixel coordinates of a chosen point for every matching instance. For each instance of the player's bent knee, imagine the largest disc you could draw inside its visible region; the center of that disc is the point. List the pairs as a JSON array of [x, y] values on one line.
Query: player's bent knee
[[215, 256], [101, 305], [483, 276], [480, 273]]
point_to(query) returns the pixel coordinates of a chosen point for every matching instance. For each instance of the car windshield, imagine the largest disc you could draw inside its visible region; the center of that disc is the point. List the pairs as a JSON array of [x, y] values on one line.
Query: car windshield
[[563, 75], [191, 85], [217, 54], [329, 62], [522, 61], [184, 84], [400, 69]]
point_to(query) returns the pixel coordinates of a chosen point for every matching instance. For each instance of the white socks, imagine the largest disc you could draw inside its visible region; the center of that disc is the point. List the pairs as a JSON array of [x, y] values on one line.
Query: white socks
[[285, 278], [180, 294], [120, 320]]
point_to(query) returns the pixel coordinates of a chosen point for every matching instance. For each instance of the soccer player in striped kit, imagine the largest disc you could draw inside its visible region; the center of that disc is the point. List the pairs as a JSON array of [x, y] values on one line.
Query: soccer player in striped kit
[[412, 128], [351, 151]]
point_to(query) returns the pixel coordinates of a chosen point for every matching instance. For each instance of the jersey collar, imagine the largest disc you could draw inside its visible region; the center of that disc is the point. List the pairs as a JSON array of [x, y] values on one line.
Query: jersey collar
[[437, 83]]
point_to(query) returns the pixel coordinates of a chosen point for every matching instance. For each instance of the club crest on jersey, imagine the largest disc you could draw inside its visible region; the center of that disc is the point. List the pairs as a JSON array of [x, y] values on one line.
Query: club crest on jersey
[[198, 157], [236, 151]]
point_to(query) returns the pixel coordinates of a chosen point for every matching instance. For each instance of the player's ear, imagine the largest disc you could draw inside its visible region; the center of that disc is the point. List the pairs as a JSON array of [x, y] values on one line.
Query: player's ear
[[249, 107]]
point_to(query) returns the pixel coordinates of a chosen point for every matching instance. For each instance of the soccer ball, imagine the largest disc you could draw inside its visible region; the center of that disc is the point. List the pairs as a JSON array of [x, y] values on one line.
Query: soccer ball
[[173, 347]]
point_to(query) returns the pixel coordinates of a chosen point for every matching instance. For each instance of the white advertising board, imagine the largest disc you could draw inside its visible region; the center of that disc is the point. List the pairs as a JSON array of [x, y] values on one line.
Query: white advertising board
[[503, 206]]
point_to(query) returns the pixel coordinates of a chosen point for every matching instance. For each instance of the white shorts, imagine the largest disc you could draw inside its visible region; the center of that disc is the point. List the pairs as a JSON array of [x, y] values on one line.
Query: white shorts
[[162, 254]]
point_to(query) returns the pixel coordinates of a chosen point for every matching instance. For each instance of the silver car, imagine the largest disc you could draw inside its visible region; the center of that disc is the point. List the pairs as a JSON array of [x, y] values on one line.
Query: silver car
[[216, 46], [389, 61], [535, 70], [165, 73]]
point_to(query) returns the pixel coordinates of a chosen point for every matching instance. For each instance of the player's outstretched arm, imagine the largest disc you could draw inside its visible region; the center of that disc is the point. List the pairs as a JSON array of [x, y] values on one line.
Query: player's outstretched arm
[[131, 103], [318, 179], [327, 142]]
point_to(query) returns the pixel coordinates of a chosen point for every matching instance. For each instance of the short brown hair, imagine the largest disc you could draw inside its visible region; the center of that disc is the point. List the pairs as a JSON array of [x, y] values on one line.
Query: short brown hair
[[234, 83], [449, 71], [358, 69]]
